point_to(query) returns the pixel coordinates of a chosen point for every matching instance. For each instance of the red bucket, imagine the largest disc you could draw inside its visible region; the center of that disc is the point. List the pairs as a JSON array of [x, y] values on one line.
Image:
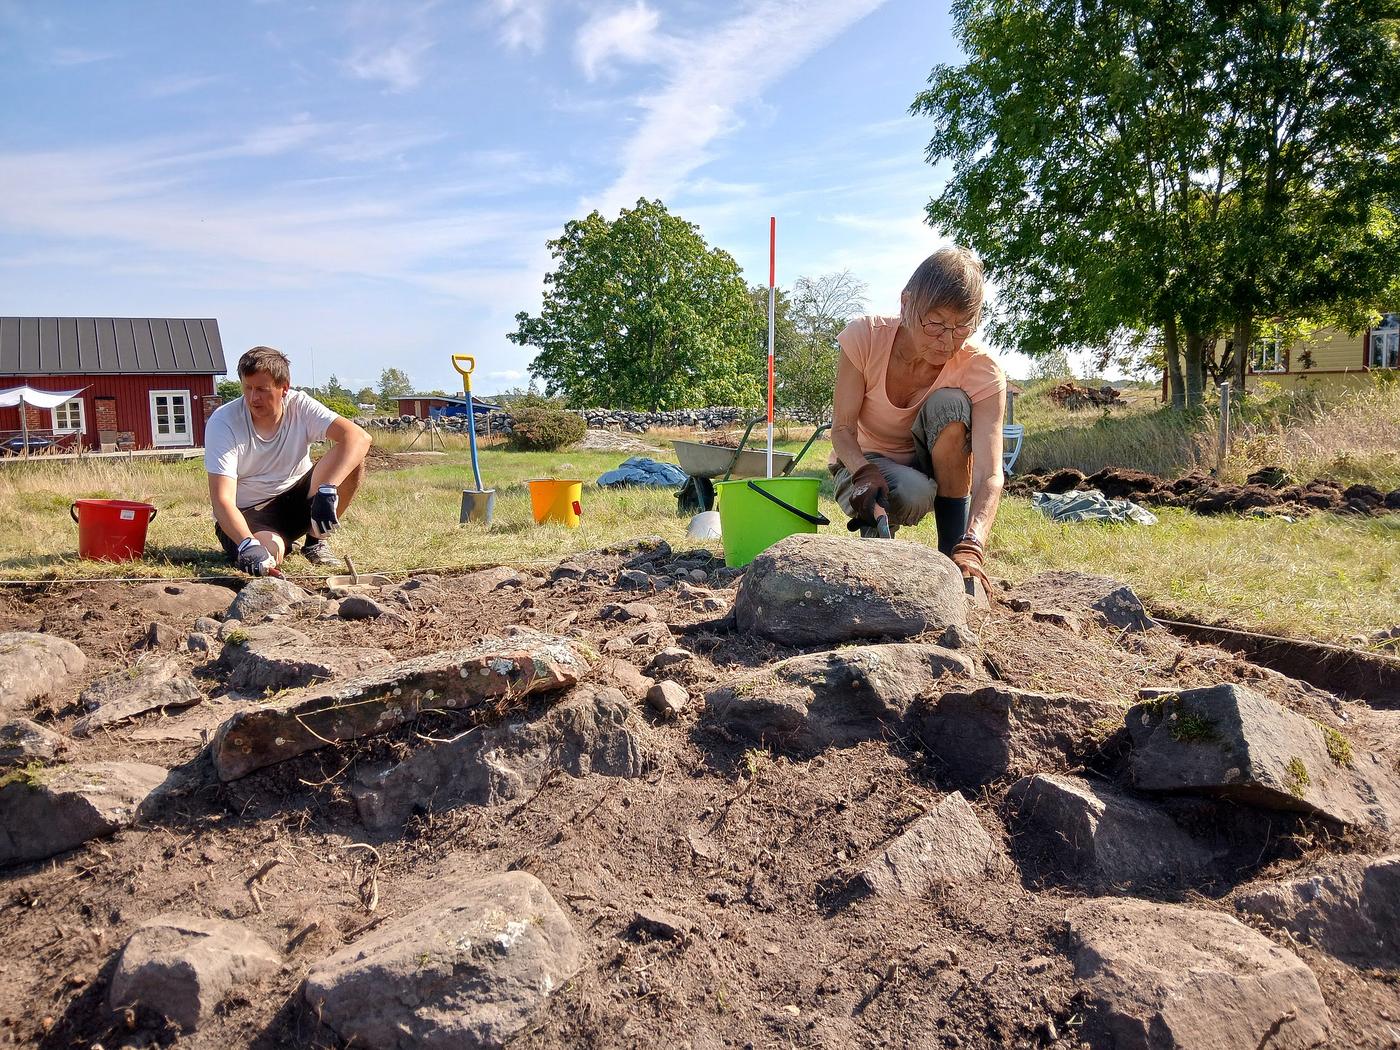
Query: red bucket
[[111, 529]]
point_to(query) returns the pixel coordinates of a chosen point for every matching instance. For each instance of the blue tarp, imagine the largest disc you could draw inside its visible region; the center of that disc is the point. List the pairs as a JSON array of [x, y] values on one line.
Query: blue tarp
[[642, 471]]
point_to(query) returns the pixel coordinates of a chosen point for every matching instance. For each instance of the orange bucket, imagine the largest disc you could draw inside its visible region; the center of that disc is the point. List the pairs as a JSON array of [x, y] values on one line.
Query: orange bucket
[[557, 500], [111, 529]]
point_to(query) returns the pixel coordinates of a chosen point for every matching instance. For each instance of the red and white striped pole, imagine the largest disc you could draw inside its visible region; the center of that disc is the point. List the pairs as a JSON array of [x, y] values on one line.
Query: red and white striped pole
[[772, 295]]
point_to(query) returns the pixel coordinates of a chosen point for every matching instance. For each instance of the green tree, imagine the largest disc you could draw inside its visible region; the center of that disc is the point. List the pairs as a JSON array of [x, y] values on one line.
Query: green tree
[[394, 383], [1170, 166], [641, 313], [821, 307], [228, 389], [335, 389], [366, 396]]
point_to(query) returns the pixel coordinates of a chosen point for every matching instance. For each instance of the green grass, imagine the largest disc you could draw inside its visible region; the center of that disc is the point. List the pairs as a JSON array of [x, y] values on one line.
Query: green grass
[[1325, 576]]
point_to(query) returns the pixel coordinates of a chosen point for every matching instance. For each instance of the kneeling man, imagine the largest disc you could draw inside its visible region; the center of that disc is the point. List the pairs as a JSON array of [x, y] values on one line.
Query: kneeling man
[[264, 489]]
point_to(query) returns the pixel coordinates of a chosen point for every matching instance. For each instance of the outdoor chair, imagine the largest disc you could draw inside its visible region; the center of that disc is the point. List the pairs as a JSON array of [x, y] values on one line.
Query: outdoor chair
[[1013, 436]]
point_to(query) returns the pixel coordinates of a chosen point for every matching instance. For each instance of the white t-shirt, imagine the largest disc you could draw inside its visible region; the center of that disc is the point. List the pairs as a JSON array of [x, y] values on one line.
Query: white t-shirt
[[264, 467]]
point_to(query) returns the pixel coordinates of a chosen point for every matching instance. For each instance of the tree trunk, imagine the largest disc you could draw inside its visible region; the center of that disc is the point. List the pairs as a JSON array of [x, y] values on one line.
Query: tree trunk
[[1195, 368], [1244, 341], [1172, 345]]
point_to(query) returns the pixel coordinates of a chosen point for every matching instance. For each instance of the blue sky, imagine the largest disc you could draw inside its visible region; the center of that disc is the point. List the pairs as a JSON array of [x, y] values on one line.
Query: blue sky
[[372, 184]]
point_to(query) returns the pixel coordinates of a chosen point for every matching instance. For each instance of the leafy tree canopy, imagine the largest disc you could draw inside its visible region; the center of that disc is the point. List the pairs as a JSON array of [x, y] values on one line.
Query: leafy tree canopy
[[641, 312], [394, 383]]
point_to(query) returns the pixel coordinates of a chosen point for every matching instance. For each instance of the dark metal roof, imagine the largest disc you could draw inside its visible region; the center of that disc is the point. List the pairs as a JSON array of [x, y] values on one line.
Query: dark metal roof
[[39, 346]]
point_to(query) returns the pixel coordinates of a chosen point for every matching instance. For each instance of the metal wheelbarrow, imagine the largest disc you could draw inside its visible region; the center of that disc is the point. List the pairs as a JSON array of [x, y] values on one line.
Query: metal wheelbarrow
[[704, 462]]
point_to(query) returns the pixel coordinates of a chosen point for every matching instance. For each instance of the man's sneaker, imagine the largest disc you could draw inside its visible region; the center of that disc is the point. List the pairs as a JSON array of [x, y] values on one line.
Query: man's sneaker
[[318, 552]]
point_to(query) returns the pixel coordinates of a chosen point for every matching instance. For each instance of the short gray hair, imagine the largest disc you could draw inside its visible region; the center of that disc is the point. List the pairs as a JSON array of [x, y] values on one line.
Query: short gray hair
[[950, 278]]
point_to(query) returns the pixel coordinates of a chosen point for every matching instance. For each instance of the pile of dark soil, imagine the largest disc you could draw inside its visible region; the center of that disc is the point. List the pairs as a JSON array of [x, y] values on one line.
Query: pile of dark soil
[[752, 850], [1267, 490], [1073, 396]]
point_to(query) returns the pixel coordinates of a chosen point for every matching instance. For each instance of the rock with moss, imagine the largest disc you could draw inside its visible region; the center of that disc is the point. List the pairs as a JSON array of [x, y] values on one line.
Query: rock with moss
[[33, 666], [265, 598], [45, 810], [1230, 742], [812, 590], [23, 742], [493, 677]]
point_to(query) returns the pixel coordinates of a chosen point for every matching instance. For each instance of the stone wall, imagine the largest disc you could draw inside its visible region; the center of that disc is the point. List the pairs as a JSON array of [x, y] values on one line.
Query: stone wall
[[725, 418]]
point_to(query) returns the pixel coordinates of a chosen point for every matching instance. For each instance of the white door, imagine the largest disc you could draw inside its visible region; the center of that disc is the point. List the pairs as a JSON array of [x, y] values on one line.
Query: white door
[[170, 417]]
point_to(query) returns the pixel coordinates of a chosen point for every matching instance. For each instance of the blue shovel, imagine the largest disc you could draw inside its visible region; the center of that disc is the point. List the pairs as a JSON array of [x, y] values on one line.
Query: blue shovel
[[478, 504]]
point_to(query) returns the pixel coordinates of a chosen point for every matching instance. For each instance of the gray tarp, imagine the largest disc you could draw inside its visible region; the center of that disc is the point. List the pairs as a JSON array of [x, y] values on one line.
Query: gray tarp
[[1092, 505], [642, 471]]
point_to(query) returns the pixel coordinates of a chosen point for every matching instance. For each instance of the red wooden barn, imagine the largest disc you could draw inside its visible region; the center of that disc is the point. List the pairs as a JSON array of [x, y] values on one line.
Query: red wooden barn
[[148, 382]]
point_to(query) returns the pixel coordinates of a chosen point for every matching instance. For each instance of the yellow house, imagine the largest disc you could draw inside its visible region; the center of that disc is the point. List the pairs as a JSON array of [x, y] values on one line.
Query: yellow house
[[1328, 358]]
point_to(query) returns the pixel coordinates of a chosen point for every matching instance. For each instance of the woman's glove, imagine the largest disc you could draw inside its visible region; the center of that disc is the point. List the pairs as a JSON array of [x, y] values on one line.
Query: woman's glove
[[254, 558], [868, 487], [967, 556]]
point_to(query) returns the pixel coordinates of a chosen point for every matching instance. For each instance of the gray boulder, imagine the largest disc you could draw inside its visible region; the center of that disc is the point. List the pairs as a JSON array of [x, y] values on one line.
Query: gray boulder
[[46, 811], [150, 684], [264, 598], [592, 731], [269, 657], [1350, 909], [1106, 600], [183, 602], [837, 698], [469, 970], [488, 678], [23, 741], [182, 966], [998, 731], [668, 699], [1093, 835], [1228, 741], [947, 846], [1164, 977], [824, 590], [363, 607], [33, 666]]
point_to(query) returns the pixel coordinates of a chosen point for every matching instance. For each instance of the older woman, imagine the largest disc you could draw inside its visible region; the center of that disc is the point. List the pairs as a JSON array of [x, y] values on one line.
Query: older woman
[[918, 413]]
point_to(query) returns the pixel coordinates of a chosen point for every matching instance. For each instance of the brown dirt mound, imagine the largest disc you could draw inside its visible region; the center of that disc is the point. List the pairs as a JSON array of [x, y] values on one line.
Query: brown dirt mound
[[1073, 396], [753, 850], [1265, 490]]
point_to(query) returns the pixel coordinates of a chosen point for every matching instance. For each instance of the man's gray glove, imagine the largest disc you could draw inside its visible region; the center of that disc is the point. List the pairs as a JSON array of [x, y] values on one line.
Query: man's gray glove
[[254, 558], [323, 519]]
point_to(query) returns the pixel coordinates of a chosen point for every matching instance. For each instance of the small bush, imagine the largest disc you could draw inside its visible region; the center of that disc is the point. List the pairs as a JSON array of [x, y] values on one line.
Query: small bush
[[545, 429]]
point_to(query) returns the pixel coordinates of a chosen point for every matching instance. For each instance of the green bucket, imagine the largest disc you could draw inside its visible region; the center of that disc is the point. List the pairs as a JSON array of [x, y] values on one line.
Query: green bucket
[[756, 513]]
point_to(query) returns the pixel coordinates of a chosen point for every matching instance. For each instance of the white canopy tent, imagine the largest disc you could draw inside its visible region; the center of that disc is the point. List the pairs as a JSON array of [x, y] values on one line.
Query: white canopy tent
[[20, 396]]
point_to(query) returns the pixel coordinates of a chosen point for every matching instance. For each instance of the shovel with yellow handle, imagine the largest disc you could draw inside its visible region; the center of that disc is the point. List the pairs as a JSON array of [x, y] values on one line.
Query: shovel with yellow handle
[[478, 504]]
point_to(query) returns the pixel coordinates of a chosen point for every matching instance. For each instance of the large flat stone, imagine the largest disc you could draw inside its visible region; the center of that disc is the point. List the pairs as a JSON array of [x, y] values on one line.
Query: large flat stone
[[945, 847], [182, 966], [1350, 908], [1164, 977], [265, 598], [492, 676], [998, 731], [49, 810], [270, 657], [1090, 834], [836, 698], [33, 666], [1228, 741], [469, 970], [1109, 601], [184, 602], [591, 731], [150, 684], [824, 590]]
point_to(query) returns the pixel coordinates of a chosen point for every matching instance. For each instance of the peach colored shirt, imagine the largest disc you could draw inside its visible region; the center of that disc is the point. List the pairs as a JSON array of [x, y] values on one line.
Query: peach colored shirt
[[885, 427]]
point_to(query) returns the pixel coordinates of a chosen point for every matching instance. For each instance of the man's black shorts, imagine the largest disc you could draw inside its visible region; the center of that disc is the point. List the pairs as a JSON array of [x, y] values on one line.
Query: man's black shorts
[[288, 514]]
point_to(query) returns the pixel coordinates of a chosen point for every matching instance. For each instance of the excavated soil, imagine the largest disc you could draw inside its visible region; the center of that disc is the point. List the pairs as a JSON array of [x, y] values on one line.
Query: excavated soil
[[753, 850], [1266, 491]]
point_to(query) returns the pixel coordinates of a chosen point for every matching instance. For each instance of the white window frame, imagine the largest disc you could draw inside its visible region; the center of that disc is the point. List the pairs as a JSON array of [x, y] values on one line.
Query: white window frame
[[1265, 351], [173, 440], [81, 428], [1383, 349]]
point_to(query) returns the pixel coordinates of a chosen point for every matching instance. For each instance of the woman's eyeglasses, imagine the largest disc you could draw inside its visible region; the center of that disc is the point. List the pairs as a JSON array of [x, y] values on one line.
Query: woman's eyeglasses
[[938, 328]]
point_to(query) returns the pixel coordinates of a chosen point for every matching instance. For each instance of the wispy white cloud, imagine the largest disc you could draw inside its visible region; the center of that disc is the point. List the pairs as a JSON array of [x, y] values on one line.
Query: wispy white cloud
[[177, 84], [78, 56], [628, 33], [710, 78], [391, 43], [510, 375], [522, 24]]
